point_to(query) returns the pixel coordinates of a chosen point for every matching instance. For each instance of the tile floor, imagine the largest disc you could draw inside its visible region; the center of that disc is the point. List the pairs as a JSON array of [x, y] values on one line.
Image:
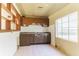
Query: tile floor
[[38, 50]]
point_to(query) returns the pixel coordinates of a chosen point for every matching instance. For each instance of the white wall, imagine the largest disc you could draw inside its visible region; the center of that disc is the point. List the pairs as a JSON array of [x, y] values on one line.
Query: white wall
[[8, 43], [51, 29]]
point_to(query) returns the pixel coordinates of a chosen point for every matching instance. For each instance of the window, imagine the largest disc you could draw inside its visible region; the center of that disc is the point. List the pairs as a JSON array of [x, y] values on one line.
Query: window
[[56, 28], [73, 27], [59, 29], [67, 27]]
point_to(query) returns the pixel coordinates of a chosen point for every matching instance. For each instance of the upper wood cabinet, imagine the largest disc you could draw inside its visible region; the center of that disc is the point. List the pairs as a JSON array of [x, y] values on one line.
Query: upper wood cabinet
[[9, 17], [16, 17], [6, 17], [6, 13]]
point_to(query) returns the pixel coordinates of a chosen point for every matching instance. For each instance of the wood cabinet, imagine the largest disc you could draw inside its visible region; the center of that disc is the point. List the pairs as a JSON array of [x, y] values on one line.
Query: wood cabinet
[[34, 38], [9, 18], [28, 21], [41, 38]]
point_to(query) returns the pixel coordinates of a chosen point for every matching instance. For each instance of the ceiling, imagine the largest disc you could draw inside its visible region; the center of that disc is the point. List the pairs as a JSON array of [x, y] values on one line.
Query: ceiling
[[39, 9]]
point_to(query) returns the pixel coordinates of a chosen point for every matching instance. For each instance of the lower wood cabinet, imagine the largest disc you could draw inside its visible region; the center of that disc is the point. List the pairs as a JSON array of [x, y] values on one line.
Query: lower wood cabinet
[[28, 38]]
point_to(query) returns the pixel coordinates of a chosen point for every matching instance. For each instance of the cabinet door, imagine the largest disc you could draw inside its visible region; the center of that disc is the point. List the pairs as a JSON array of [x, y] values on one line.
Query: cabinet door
[[31, 38], [42, 38], [38, 38], [48, 38], [45, 40], [24, 40]]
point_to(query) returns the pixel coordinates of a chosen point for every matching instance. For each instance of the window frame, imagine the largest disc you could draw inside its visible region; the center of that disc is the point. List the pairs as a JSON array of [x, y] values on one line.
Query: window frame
[[72, 40]]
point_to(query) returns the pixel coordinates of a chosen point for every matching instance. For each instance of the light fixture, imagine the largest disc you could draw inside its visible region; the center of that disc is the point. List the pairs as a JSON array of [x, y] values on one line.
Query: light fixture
[[40, 7]]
